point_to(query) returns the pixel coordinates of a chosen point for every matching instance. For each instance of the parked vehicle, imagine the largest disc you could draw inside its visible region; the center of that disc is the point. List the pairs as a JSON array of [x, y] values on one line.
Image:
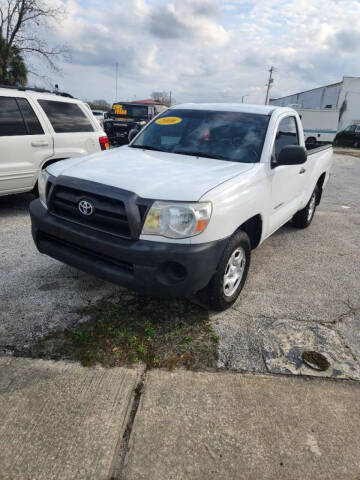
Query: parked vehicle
[[100, 116], [128, 116], [350, 137], [320, 125], [178, 211], [38, 128]]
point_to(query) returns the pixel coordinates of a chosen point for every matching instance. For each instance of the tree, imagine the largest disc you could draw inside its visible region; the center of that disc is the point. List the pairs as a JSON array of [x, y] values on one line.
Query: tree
[[100, 105], [15, 72], [163, 98], [20, 21]]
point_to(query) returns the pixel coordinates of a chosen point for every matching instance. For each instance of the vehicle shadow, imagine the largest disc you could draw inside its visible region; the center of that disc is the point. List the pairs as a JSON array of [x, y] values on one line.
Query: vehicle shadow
[[10, 204]]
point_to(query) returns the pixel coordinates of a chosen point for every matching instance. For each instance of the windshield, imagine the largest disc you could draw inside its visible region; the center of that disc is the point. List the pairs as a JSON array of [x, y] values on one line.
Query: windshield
[[232, 136], [132, 111]]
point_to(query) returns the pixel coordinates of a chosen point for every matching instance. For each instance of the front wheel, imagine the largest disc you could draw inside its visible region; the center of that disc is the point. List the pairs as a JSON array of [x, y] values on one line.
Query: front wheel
[[303, 218], [227, 283]]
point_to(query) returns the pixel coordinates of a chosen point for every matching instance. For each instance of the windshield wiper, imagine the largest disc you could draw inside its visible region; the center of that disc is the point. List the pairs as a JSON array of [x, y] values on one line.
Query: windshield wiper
[[148, 147], [201, 154]]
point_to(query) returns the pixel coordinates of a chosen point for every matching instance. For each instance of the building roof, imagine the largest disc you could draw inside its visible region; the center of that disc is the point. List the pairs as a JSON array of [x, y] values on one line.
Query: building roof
[[149, 101], [306, 91]]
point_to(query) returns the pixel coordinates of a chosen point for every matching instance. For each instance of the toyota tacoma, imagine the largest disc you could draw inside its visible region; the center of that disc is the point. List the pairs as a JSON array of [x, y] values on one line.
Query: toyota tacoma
[[178, 211]]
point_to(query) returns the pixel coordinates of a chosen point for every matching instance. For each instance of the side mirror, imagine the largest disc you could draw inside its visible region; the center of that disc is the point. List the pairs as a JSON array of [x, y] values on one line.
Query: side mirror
[[292, 155], [132, 134]]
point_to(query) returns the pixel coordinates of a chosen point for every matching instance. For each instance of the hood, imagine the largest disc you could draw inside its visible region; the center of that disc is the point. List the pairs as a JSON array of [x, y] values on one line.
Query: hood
[[151, 174]]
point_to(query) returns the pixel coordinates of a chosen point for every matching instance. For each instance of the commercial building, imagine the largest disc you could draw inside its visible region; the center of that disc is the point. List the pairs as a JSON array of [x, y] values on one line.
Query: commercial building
[[343, 97]]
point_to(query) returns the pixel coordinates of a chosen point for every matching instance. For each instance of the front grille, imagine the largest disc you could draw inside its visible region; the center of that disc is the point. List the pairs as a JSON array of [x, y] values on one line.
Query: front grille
[[112, 214]]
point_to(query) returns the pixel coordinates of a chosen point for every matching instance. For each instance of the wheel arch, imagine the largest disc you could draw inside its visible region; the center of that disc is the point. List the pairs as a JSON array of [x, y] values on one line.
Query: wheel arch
[[50, 161], [47, 163], [320, 184], [254, 228]]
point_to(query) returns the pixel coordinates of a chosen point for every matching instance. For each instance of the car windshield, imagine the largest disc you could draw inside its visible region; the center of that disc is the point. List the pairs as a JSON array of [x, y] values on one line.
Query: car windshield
[[232, 136], [126, 110]]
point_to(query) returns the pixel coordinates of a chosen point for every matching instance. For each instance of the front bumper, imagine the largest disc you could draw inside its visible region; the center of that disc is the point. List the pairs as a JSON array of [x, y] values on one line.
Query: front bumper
[[153, 268]]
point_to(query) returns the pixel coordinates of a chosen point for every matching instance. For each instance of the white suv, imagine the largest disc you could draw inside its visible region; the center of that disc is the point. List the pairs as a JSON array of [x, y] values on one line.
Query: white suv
[[38, 128]]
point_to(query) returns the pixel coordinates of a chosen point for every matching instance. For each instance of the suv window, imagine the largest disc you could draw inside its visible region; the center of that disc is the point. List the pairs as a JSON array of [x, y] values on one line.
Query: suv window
[[66, 117], [32, 122], [11, 120], [287, 134]]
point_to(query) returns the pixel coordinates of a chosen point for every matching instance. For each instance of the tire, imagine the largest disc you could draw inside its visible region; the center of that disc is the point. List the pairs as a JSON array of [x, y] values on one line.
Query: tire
[[217, 295], [311, 141], [303, 218]]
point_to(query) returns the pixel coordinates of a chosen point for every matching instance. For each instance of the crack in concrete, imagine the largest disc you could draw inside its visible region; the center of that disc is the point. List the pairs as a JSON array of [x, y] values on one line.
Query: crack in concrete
[[124, 448]]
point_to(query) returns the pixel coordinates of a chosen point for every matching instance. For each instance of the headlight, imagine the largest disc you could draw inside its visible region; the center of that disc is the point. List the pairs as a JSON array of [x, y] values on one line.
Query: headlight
[[42, 183], [177, 220]]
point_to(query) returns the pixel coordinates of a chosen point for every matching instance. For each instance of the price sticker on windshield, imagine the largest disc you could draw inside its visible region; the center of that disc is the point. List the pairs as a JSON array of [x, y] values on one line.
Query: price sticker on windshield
[[168, 120]]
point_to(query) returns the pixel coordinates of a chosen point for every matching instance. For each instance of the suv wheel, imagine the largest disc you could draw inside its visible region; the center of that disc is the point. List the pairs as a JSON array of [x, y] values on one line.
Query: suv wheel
[[303, 218], [227, 283]]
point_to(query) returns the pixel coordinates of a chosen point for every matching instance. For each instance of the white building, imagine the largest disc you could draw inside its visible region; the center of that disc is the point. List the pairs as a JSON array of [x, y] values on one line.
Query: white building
[[343, 97]]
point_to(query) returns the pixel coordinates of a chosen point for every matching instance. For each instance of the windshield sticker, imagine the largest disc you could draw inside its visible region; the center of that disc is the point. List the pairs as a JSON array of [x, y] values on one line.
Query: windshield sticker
[[168, 120], [119, 110]]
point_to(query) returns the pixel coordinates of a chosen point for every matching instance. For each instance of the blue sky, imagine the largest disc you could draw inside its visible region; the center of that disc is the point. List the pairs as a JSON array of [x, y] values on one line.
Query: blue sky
[[205, 50]]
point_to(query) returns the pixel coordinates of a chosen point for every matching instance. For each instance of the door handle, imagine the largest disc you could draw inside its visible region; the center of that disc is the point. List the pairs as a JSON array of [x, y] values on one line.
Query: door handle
[[303, 170], [39, 143]]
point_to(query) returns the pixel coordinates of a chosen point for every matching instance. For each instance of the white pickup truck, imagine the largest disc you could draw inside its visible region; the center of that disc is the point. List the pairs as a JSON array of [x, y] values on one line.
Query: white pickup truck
[[178, 210]]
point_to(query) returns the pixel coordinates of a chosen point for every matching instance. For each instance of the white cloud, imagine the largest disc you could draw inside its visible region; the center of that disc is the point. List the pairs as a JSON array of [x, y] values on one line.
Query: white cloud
[[207, 50]]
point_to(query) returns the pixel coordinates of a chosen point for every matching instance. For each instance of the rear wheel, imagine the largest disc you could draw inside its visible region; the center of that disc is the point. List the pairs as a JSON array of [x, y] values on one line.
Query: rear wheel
[[227, 283], [311, 142], [303, 218]]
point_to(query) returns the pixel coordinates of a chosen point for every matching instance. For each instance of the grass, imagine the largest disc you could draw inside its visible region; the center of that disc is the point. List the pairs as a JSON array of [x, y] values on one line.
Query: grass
[[162, 333]]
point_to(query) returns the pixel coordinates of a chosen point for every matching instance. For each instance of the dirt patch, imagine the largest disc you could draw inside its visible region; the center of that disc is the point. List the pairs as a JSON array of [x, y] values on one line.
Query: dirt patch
[[166, 333]]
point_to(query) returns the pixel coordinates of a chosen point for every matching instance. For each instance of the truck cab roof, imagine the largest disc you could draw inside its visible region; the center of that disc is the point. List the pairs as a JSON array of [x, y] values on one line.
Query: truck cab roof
[[231, 107]]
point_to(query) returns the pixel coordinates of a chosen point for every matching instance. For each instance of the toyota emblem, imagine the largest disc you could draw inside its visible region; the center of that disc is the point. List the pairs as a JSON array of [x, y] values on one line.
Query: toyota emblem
[[85, 207]]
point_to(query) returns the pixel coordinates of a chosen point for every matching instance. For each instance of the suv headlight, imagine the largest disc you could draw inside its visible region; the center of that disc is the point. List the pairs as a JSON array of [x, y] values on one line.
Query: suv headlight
[[42, 184], [177, 219]]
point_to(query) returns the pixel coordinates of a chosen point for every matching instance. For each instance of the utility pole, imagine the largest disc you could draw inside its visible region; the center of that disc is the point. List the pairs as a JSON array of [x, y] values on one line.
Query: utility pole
[[170, 99], [116, 82], [270, 82], [242, 98]]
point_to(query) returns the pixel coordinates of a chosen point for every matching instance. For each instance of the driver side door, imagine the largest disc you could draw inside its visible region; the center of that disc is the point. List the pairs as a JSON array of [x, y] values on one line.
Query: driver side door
[[287, 181]]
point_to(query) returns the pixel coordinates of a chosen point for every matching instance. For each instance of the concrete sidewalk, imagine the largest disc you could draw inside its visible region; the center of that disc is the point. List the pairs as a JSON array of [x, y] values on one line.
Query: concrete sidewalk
[[60, 420], [63, 421], [203, 426]]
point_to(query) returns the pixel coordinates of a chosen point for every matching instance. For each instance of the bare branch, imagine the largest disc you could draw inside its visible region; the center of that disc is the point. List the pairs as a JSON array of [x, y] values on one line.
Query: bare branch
[[19, 19]]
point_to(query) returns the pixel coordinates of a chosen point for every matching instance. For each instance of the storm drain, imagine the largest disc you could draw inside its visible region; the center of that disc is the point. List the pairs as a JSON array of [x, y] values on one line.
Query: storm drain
[[285, 346], [315, 360]]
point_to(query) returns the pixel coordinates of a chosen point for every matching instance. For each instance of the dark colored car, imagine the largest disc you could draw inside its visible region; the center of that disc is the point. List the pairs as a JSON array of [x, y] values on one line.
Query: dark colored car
[[127, 116], [350, 137]]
